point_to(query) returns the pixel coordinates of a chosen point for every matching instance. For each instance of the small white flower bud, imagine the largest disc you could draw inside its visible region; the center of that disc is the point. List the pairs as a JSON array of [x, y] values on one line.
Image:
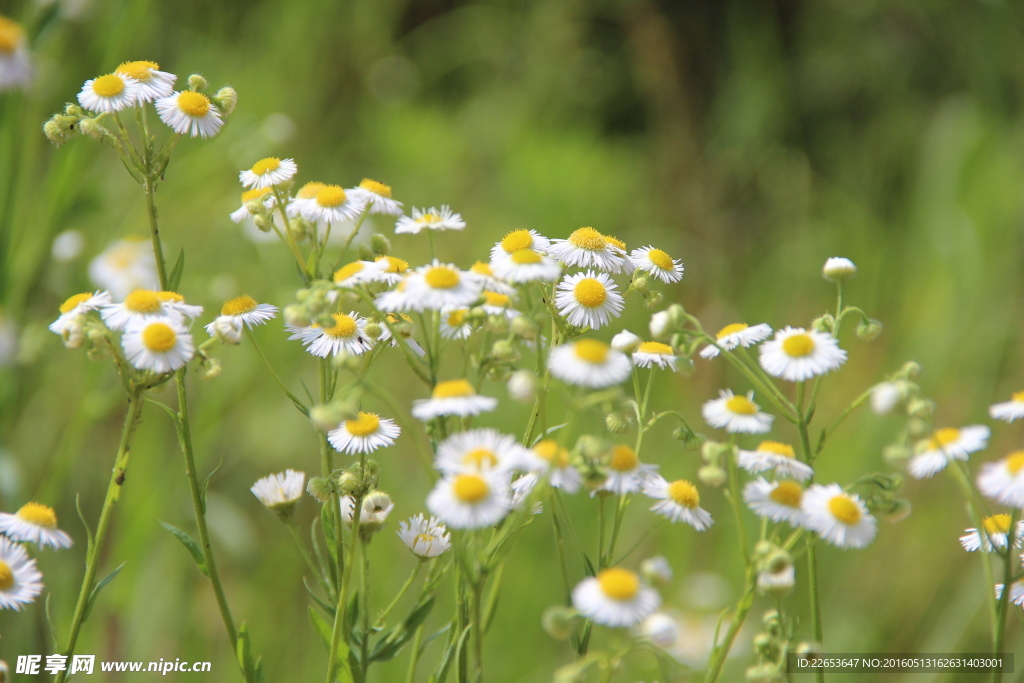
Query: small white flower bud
[[656, 570], [196, 82], [325, 417], [373, 330], [558, 622], [522, 386], [522, 327], [263, 223], [869, 330], [504, 351], [617, 422], [661, 323], [712, 475], [660, 629], [886, 396], [626, 341], [74, 334], [67, 246], [838, 269]]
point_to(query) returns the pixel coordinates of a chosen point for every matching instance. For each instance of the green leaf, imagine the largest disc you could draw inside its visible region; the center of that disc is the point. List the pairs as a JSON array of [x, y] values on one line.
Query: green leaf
[[94, 593], [88, 532], [324, 630], [391, 644], [243, 650], [49, 623], [191, 546], [451, 652], [174, 279], [323, 605], [206, 483], [167, 409]]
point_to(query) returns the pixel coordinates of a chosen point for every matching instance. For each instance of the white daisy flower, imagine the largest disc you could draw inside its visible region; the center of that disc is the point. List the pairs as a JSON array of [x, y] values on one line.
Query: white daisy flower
[[737, 414], [268, 172], [1010, 410], [441, 285], [109, 94], [782, 580], [657, 263], [377, 196], [626, 473], [945, 445], [772, 455], [471, 500], [660, 324], [305, 195], [426, 539], [330, 204], [651, 354], [126, 265], [680, 502], [1016, 592], [375, 510], [263, 195], [548, 456], [189, 113], [527, 265], [838, 517], [796, 354], [588, 248], [588, 299], [159, 344], [521, 489], [365, 434], [15, 61], [589, 363], [429, 219], [138, 307], [838, 269], [34, 523], [358, 272], [279, 492], [453, 324], [997, 532], [489, 280], [392, 269], [78, 305], [517, 240], [1003, 480], [345, 336], [453, 397], [480, 451], [615, 597], [245, 311], [736, 335], [779, 501], [396, 300], [626, 341], [152, 83], [496, 303], [175, 303], [20, 581]]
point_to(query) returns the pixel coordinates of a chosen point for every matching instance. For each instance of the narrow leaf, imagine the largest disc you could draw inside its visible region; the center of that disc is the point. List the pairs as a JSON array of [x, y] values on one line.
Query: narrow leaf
[[191, 546], [175, 277], [94, 593]]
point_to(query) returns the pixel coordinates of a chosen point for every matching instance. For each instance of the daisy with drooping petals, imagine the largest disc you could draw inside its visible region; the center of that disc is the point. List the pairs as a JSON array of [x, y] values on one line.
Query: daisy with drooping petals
[[124, 266], [548, 456], [358, 272], [109, 94], [246, 311], [175, 303], [453, 324], [680, 502], [996, 533], [615, 597], [377, 196], [521, 490], [404, 332], [796, 354], [77, 305], [365, 434], [429, 219], [425, 539], [626, 473], [152, 83], [1016, 592], [161, 345], [779, 501], [589, 363], [490, 281], [471, 500], [588, 299], [279, 492], [517, 240], [737, 414], [588, 248], [268, 172], [453, 397], [1010, 410], [392, 269], [15, 62], [138, 307], [657, 263], [34, 523], [527, 265], [1003, 480], [345, 336], [945, 445], [651, 354], [480, 450], [772, 455], [736, 335], [263, 195], [838, 517], [189, 113], [20, 581], [439, 286], [329, 204]]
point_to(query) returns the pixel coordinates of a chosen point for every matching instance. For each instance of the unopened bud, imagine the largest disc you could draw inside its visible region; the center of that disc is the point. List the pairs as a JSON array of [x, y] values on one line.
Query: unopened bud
[[838, 269], [213, 368], [763, 673], [379, 244], [660, 629], [348, 482], [654, 299], [93, 129], [712, 475], [910, 369], [263, 223], [895, 455], [373, 330], [523, 327], [886, 396], [617, 423], [899, 511], [869, 330], [319, 489], [503, 350], [626, 341], [296, 316], [558, 622], [196, 82], [656, 570], [660, 325], [824, 323], [226, 98], [921, 408], [325, 417]]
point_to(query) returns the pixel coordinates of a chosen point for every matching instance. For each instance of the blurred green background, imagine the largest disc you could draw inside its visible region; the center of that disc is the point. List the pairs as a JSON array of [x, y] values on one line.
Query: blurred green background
[[751, 139]]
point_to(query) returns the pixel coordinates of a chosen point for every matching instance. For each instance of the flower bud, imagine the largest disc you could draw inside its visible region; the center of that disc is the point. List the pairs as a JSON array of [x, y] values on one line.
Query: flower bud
[[523, 327], [691, 439], [626, 341], [895, 455], [654, 299], [838, 269], [660, 325], [617, 422], [93, 129], [824, 323], [899, 511], [373, 330], [196, 82], [656, 570], [504, 351], [348, 482], [869, 330], [712, 475], [319, 488], [325, 417], [886, 396], [763, 643], [226, 99], [558, 622], [73, 334], [295, 315], [763, 673], [660, 629], [262, 223], [921, 408], [910, 369], [639, 283], [522, 386], [213, 368], [379, 244]]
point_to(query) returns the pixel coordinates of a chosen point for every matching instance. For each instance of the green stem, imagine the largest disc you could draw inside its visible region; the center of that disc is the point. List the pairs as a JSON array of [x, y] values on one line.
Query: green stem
[[401, 592], [289, 236], [340, 613], [259, 351], [1004, 599], [737, 506], [414, 657], [720, 652], [293, 529], [986, 558], [154, 229]]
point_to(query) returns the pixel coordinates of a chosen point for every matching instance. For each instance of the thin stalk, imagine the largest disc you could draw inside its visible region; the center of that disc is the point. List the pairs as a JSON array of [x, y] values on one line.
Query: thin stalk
[[293, 529], [722, 651], [1004, 598], [401, 592], [289, 237], [273, 373], [410, 676], [737, 506], [986, 558], [154, 230], [340, 613], [812, 555]]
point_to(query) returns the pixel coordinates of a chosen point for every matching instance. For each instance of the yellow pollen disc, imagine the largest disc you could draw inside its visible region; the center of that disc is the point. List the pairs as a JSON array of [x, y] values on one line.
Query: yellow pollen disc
[[250, 195], [364, 425], [10, 35], [590, 292], [442, 278], [776, 448], [615, 242], [1018, 397], [309, 190], [619, 584], [266, 165], [516, 240], [74, 301], [661, 259], [344, 327], [624, 459], [844, 509], [589, 239], [142, 301], [140, 71], [395, 264], [552, 452], [37, 514], [684, 493], [655, 347], [376, 187], [741, 405], [6, 573], [479, 458], [591, 351], [347, 271], [171, 297], [194, 104], [1015, 462], [788, 493], [455, 388], [469, 488], [455, 318], [159, 337], [996, 524], [798, 345], [428, 218], [525, 257], [496, 299], [426, 538], [108, 86], [943, 437], [481, 268], [238, 306], [731, 329], [330, 196]]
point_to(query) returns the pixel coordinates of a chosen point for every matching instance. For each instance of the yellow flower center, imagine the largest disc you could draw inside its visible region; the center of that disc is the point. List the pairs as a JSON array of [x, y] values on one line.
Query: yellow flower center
[[11, 35], [73, 301], [108, 86], [470, 488], [428, 218], [364, 425], [996, 524], [194, 104], [481, 268], [741, 405], [552, 452], [525, 257], [788, 493], [1018, 397], [455, 388], [455, 318], [777, 448], [615, 242], [6, 573], [661, 259], [731, 329], [347, 271], [943, 437], [798, 345], [496, 299], [589, 239], [590, 292], [250, 195], [142, 301], [376, 187], [140, 71], [656, 348], [238, 305], [172, 297], [159, 337], [684, 493], [591, 351], [479, 458], [624, 459], [330, 196], [442, 278], [344, 326], [39, 515], [394, 264], [619, 584], [264, 166], [1015, 462], [309, 190], [844, 509], [516, 240]]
